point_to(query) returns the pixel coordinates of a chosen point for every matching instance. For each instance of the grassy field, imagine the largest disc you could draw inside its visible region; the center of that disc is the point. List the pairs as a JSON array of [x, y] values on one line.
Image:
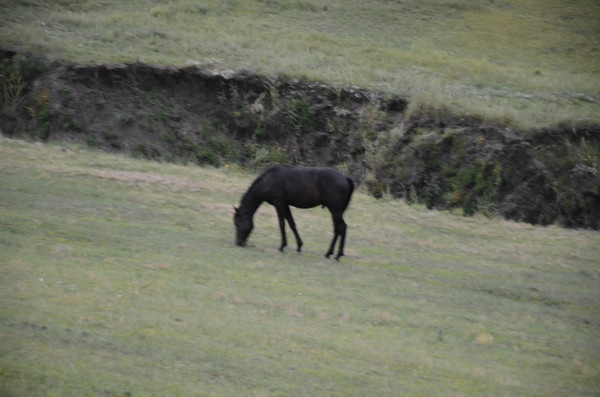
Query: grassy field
[[527, 63], [120, 278]]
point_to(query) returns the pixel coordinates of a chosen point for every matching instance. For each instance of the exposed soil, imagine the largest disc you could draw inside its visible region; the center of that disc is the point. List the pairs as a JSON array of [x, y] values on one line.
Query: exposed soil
[[194, 115]]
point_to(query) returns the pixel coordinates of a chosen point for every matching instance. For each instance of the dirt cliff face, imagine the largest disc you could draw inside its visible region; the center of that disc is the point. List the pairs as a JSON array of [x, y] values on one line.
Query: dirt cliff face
[[547, 176], [194, 115]]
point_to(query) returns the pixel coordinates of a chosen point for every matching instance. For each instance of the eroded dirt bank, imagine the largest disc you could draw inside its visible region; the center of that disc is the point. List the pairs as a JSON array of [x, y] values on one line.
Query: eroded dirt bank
[[194, 115]]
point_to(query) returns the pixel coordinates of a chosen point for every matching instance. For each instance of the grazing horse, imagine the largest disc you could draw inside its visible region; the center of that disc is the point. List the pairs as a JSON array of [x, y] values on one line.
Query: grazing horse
[[302, 187]]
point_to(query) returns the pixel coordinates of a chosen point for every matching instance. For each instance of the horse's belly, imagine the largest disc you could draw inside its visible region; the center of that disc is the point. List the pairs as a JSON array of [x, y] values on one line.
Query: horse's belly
[[304, 204]]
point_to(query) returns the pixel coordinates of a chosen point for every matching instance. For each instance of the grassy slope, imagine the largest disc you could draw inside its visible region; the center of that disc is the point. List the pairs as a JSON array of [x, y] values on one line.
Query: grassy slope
[[120, 276], [532, 63]]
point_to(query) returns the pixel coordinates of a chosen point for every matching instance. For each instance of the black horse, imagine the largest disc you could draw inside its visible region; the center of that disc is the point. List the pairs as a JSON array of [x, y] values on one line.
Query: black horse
[[302, 187]]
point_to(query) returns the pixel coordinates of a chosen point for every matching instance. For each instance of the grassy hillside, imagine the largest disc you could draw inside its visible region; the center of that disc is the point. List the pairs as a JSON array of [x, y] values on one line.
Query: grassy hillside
[[529, 63], [120, 277]]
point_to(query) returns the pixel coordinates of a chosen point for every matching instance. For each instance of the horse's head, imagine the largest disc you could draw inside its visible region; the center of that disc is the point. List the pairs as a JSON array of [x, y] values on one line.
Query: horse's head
[[243, 227]]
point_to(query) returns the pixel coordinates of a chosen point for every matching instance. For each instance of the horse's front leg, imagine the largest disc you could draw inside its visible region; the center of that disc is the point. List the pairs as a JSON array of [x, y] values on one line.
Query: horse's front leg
[[281, 215], [290, 219]]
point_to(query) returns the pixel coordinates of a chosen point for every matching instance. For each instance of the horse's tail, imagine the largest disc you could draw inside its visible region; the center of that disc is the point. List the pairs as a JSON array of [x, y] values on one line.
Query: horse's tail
[[350, 191]]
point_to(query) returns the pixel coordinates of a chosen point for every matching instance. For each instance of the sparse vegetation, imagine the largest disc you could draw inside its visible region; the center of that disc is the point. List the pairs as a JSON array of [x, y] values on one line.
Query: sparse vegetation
[[113, 139], [42, 113], [126, 119], [13, 89], [298, 117]]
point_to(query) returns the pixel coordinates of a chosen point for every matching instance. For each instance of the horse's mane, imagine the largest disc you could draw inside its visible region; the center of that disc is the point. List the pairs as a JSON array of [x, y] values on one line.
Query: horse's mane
[[256, 182], [252, 186]]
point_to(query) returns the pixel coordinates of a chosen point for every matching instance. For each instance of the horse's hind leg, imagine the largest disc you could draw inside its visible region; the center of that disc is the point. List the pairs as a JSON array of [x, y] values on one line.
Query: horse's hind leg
[[342, 230], [332, 246], [339, 230]]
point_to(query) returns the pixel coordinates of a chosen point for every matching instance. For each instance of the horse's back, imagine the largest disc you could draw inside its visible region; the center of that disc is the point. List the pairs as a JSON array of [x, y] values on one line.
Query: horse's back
[[309, 186]]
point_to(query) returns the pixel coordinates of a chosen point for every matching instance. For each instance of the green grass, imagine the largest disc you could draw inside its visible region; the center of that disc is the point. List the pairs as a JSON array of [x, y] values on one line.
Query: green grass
[[527, 63], [120, 277]]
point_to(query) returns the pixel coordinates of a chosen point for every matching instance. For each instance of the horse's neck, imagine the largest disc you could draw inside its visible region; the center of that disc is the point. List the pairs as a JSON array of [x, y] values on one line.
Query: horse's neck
[[250, 203]]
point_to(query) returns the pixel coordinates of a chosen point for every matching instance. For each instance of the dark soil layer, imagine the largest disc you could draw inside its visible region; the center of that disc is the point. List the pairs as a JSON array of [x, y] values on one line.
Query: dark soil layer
[[194, 115]]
